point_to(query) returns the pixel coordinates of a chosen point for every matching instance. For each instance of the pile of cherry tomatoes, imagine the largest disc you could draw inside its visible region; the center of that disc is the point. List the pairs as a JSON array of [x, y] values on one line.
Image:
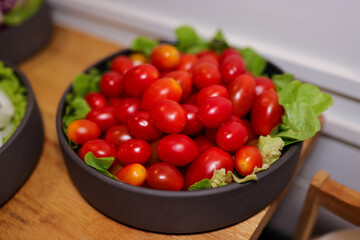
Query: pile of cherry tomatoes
[[171, 122]]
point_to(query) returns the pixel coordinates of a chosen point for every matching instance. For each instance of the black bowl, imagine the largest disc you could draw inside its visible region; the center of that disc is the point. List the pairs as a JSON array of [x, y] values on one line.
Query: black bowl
[[20, 42], [182, 211], [20, 154]]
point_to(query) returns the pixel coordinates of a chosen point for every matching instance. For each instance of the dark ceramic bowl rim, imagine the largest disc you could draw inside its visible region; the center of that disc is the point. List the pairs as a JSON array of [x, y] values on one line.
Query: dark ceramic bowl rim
[[170, 194], [29, 108]]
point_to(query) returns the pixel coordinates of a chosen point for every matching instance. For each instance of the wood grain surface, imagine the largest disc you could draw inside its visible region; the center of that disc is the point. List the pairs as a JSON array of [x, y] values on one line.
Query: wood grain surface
[[48, 206]]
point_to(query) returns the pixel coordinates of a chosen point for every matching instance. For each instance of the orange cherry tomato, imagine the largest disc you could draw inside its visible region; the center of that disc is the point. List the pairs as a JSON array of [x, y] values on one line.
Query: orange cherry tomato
[[133, 174], [82, 130], [246, 159], [165, 57]]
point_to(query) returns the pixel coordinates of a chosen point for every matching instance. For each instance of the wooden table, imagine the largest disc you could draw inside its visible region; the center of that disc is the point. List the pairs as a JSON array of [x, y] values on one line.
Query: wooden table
[[48, 206]]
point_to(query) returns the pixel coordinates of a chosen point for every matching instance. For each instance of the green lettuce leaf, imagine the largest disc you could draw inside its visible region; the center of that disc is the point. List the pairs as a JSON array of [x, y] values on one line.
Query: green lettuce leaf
[[280, 80], [270, 149], [76, 109], [218, 43], [253, 61], [85, 83], [203, 184], [100, 164], [188, 40], [144, 45], [21, 12]]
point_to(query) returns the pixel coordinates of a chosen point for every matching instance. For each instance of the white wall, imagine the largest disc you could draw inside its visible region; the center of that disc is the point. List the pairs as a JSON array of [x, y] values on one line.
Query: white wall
[[318, 41]]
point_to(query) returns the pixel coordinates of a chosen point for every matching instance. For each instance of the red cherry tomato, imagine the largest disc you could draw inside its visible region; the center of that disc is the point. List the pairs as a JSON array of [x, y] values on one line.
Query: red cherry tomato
[[82, 130], [211, 91], [99, 147], [232, 67], [246, 159], [206, 53], [165, 57], [205, 164], [215, 111], [209, 58], [177, 149], [140, 126], [168, 116], [134, 174], [138, 78], [187, 62], [154, 153], [203, 143], [236, 118], [231, 136], [164, 176], [184, 80], [121, 64], [95, 100], [242, 94], [266, 113], [251, 134], [205, 74], [117, 135], [211, 134], [164, 88], [134, 151], [126, 108], [111, 84], [193, 124], [115, 101], [191, 99], [228, 52], [262, 84], [104, 117]]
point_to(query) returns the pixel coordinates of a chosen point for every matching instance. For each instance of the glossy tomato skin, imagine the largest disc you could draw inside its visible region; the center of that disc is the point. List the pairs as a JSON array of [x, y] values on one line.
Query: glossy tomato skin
[[208, 58], [177, 149], [231, 136], [111, 84], [134, 151], [191, 99], [205, 164], [206, 53], [126, 108], [228, 52], [164, 176], [141, 126], [121, 64], [262, 84], [187, 62], [246, 159], [138, 58], [114, 101], [104, 117], [82, 130], [99, 147], [266, 113], [211, 91], [232, 67], [184, 80], [165, 57], [138, 78], [215, 111], [168, 116], [134, 174], [117, 135], [193, 124], [164, 88], [205, 74], [251, 134], [95, 100], [203, 143], [242, 94]]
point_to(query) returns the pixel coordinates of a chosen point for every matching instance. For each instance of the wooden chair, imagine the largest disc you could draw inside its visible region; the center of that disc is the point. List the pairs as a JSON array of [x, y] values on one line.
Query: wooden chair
[[327, 193]]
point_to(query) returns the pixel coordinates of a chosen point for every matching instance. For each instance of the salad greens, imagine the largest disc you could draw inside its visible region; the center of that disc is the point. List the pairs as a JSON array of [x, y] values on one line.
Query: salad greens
[[21, 11], [13, 109], [100, 164]]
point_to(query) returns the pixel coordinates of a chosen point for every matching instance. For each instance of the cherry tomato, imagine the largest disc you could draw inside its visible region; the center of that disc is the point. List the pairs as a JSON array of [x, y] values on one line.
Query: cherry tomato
[[228, 52], [104, 117], [168, 116], [209, 58], [140, 126], [205, 164], [187, 62], [95, 100], [154, 153], [164, 88], [99, 147], [126, 108], [231, 136], [134, 151], [193, 124], [203, 143], [138, 58], [206, 53], [117, 135], [134, 174], [211, 91], [205, 74], [111, 84], [121, 64], [242, 94], [211, 134], [165, 57], [138, 78], [191, 99], [215, 111], [262, 84], [246, 159], [82, 130], [164, 176], [232, 67], [177, 149], [184, 80], [115, 101], [266, 113], [251, 134], [236, 118]]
